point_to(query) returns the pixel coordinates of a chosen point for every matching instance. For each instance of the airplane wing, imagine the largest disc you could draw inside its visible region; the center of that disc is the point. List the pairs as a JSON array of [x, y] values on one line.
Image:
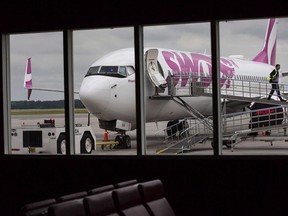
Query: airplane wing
[[29, 85]]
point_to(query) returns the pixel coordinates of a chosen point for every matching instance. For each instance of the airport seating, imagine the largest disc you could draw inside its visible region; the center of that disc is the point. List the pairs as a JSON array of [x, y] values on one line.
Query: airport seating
[[126, 183], [37, 208], [101, 204], [128, 201], [129, 198], [72, 196], [102, 189], [152, 194], [69, 208]]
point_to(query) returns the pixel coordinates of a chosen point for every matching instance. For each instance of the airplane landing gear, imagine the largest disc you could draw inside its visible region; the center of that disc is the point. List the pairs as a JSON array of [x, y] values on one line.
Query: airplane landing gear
[[124, 141]]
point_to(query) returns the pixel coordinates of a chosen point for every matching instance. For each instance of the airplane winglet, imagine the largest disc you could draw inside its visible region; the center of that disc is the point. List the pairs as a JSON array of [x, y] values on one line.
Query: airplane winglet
[[268, 53], [28, 78]]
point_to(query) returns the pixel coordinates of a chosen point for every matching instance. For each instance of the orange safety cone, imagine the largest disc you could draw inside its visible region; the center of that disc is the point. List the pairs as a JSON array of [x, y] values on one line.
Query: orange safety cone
[[105, 136]]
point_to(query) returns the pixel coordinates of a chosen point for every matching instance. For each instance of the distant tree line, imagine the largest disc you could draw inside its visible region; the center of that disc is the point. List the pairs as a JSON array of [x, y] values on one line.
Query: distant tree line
[[57, 104]]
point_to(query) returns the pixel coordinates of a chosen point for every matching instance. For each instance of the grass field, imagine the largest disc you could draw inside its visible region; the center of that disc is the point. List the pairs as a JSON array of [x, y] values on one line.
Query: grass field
[[43, 111]]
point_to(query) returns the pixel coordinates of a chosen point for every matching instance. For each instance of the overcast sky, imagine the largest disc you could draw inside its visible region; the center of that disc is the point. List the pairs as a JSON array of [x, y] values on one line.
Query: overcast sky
[[46, 49]]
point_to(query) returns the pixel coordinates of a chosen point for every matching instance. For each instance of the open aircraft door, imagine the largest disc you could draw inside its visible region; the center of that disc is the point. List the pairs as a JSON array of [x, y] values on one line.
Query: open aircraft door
[[152, 68]]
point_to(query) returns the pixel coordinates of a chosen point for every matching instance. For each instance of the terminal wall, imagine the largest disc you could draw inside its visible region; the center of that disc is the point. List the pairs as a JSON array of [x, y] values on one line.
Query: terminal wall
[[194, 185]]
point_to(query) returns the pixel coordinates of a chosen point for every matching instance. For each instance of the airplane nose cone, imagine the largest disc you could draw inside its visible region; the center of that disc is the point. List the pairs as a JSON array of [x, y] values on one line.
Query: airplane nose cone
[[95, 94]]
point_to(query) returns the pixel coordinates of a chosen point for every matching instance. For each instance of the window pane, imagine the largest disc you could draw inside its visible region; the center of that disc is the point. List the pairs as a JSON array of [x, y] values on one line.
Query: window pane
[[107, 90], [37, 107], [177, 61], [252, 124]]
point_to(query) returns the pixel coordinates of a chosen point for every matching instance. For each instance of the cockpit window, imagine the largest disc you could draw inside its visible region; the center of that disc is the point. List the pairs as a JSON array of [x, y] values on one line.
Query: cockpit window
[[115, 71], [108, 69], [93, 71], [130, 70], [122, 71]]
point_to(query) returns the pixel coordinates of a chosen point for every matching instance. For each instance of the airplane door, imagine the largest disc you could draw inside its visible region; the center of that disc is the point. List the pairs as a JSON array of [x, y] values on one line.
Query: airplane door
[[152, 69]]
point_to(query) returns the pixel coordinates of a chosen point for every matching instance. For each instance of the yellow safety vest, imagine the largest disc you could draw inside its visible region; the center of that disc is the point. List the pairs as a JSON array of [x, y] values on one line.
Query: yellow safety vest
[[269, 77]]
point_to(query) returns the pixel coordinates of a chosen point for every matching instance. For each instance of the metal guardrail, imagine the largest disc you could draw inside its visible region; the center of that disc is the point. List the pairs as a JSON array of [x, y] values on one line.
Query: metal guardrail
[[183, 129], [238, 86], [181, 136], [255, 120], [235, 125]]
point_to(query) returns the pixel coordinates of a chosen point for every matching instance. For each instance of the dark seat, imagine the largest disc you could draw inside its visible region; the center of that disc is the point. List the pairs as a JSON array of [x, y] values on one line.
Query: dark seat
[[128, 201], [152, 194], [101, 189], [69, 208], [72, 196], [100, 205], [126, 183], [37, 208]]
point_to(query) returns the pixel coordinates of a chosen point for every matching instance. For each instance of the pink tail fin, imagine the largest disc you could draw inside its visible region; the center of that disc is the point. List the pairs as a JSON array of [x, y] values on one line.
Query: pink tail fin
[[268, 53], [28, 78]]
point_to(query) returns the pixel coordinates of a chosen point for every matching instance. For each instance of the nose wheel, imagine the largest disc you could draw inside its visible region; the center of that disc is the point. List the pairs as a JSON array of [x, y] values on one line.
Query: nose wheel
[[124, 141]]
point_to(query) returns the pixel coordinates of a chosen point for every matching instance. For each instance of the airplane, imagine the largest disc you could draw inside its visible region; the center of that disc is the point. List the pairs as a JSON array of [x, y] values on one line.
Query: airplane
[[108, 88]]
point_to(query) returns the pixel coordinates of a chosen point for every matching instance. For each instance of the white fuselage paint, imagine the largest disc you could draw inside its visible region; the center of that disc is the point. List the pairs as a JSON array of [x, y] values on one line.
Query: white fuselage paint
[[110, 98]]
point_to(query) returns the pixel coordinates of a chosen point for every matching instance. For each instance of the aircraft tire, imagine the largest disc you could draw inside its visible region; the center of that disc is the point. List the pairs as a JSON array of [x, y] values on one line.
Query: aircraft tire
[[174, 129], [228, 144], [127, 141], [118, 139]]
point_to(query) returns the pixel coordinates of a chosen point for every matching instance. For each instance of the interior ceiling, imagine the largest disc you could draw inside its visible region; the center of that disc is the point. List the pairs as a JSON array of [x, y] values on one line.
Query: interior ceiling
[[45, 15]]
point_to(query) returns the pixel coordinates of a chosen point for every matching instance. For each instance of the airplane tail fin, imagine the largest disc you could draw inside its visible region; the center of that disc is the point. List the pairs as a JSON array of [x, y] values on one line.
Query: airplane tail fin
[[268, 53], [28, 78]]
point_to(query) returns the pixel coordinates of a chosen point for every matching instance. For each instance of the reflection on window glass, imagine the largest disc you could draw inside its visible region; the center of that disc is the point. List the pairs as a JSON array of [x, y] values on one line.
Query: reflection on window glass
[[107, 91], [37, 108], [254, 123], [178, 64]]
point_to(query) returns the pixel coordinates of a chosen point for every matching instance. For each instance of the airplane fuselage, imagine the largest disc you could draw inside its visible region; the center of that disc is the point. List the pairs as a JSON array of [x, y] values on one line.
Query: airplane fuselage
[[110, 97]]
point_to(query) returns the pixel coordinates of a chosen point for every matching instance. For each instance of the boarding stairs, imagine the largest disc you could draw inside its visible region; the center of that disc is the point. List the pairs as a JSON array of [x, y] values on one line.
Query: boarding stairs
[[236, 126], [192, 132], [266, 125], [188, 134]]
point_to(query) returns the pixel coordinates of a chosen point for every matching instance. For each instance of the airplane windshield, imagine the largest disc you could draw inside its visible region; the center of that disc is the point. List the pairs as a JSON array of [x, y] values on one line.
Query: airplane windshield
[[115, 71]]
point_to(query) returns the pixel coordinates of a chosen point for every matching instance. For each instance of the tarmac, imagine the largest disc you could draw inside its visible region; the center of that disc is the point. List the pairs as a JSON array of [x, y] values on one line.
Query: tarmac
[[155, 138]]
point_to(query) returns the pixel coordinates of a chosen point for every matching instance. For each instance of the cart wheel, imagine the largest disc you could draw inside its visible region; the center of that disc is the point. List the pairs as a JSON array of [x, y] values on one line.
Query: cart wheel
[[61, 144], [86, 143]]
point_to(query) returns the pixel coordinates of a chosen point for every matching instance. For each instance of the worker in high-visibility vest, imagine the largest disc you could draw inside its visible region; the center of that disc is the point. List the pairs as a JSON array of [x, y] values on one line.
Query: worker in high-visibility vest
[[274, 79]]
